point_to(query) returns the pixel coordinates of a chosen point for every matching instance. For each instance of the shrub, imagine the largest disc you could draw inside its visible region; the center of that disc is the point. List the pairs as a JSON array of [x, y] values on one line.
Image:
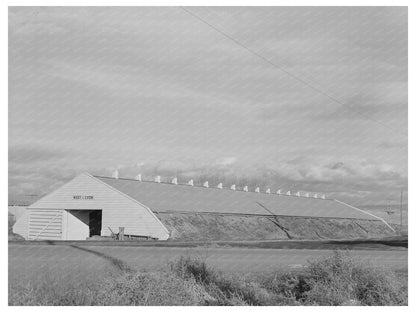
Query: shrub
[[338, 280], [341, 278], [379, 287], [154, 289], [187, 267], [52, 291], [290, 287], [224, 289]]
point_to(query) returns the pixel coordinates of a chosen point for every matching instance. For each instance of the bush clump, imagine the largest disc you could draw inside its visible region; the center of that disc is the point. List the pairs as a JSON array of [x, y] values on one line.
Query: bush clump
[[339, 280], [52, 291], [223, 289], [150, 289]]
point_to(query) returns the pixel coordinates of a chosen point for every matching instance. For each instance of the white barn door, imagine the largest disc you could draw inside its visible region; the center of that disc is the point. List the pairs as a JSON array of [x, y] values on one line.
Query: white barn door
[[45, 224]]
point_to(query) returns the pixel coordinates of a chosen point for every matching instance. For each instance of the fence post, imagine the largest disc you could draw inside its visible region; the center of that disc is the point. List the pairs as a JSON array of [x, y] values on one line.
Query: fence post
[[121, 233]]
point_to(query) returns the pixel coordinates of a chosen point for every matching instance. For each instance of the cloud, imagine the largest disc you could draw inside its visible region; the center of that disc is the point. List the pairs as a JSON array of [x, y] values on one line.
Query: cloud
[[356, 181], [392, 145], [122, 85], [226, 161], [33, 22], [26, 154]]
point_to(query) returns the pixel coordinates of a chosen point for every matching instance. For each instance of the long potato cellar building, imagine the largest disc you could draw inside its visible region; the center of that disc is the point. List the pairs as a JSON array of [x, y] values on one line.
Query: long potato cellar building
[[98, 206]]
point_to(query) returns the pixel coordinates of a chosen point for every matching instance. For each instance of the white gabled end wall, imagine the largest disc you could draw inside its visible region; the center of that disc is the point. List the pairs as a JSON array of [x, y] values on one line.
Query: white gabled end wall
[[85, 192]]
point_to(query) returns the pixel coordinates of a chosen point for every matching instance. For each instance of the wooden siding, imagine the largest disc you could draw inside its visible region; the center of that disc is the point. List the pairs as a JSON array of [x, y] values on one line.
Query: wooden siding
[[119, 210], [45, 224]]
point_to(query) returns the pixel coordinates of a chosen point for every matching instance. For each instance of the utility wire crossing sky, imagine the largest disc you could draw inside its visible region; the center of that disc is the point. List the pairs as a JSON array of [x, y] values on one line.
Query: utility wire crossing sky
[[296, 98]]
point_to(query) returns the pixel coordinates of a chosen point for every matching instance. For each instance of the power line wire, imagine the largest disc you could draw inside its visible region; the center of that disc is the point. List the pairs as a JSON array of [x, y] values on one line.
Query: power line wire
[[320, 91]]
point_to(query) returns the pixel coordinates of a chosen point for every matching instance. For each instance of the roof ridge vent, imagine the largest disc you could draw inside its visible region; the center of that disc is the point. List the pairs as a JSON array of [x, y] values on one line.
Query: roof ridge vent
[[257, 190], [288, 193], [245, 189], [175, 180], [233, 187], [268, 191], [138, 177], [219, 186], [115, 174], [191, 182], [206, 184], [157, 179]]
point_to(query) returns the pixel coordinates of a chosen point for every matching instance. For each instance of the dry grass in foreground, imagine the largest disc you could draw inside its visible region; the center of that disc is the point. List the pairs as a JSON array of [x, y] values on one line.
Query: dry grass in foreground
[[337, 280]]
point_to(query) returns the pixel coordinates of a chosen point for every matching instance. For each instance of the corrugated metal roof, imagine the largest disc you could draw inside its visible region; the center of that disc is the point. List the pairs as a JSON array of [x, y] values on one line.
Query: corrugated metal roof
[[164, 197]]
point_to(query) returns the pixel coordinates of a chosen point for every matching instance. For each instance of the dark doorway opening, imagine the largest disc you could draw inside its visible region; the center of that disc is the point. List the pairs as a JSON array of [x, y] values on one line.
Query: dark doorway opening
[[95, 222]]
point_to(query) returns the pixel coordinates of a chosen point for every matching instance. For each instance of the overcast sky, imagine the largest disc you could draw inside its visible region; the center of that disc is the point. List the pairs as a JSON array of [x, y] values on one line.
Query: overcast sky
[[155, 90]]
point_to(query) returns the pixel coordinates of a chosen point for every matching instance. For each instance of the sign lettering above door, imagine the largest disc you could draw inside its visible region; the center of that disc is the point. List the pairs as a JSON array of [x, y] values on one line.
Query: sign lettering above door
[[86, 197]]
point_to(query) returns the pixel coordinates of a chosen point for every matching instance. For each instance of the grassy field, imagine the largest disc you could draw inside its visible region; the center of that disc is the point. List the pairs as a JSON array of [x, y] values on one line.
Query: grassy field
[[26, 256], [338, 279]]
